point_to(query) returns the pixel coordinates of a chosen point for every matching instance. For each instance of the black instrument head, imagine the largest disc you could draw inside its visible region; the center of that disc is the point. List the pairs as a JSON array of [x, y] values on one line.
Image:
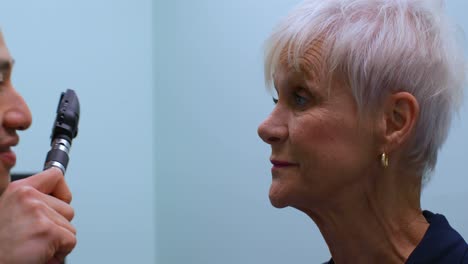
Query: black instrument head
[[68, 116]]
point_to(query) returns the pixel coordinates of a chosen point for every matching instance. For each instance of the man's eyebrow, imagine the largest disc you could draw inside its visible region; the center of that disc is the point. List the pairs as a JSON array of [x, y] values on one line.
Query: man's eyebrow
[[6, 64]]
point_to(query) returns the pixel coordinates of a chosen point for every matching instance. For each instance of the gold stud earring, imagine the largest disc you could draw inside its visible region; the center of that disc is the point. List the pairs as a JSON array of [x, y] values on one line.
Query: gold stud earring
[[384, 160]]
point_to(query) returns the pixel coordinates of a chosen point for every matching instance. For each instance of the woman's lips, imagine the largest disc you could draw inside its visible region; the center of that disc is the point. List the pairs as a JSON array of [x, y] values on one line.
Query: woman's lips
[[278, 164], [8, 158]]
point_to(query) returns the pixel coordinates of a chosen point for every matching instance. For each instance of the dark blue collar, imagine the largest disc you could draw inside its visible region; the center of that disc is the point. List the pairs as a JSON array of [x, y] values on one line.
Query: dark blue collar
[[441, 244]]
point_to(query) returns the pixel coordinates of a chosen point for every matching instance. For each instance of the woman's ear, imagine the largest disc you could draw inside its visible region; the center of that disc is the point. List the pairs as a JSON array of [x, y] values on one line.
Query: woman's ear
[[401, 111]]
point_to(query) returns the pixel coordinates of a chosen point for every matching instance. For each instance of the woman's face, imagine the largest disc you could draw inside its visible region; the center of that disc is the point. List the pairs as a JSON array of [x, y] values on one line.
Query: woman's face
[[319, 147]]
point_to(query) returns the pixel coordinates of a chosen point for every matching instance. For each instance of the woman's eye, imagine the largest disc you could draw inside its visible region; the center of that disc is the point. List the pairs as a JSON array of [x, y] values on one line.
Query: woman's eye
[[275, 101], [299, 100]]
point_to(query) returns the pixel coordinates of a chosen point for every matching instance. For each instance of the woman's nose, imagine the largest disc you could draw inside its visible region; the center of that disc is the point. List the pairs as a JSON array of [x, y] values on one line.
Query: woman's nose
[[273, 130], [17, 116]]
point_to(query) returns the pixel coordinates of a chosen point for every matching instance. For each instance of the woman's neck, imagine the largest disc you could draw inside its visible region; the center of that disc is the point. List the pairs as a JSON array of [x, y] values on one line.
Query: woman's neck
[[371, 223]]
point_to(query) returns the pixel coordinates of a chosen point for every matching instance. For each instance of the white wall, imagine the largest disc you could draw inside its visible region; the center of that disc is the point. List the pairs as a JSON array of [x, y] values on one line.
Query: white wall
[[103, 50], [213, 170]]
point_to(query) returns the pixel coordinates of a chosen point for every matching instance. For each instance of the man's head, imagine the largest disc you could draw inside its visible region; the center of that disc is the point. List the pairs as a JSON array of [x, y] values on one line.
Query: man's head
[[14, 115]]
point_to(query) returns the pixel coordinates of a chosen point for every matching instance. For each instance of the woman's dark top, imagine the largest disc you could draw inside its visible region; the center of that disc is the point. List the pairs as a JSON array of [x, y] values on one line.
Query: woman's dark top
[[441, 244]]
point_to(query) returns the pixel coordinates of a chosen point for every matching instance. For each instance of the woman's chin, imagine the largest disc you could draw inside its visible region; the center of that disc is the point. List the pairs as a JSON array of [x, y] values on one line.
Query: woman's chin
[[278, 196]]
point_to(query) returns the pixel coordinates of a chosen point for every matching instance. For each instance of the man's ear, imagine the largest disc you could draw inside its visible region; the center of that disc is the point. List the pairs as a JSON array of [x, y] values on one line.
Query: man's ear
[[401, 112]]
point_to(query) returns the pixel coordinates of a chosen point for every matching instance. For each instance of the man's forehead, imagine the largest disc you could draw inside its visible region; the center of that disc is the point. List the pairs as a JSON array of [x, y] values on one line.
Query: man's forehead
[[4, 52], [2, 39]]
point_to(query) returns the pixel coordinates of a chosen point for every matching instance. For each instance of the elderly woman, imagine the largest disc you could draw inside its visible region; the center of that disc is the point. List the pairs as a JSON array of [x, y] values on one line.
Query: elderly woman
[[365, 92]]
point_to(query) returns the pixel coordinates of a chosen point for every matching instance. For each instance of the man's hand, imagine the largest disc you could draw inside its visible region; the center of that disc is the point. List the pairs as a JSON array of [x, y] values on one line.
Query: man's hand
[[35, 215]]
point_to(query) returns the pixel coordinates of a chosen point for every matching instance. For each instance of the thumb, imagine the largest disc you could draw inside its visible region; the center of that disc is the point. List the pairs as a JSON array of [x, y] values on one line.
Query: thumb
[[50, 181]]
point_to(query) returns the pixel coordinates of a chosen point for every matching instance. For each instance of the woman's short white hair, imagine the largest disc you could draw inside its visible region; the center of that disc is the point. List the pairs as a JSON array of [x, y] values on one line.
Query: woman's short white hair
[[383, 46]]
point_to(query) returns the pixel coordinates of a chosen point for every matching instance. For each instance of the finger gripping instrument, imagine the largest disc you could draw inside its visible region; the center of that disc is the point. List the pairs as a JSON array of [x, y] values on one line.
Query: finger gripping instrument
[[64, 130]]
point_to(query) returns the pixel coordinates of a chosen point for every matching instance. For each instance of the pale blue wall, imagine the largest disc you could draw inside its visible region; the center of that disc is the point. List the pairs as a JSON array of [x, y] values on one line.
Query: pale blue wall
[[103, 50], [212, 170], [447, 192]]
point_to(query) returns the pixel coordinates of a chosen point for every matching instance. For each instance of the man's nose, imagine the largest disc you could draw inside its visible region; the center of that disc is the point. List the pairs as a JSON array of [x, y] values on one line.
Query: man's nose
[[17, 115]]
